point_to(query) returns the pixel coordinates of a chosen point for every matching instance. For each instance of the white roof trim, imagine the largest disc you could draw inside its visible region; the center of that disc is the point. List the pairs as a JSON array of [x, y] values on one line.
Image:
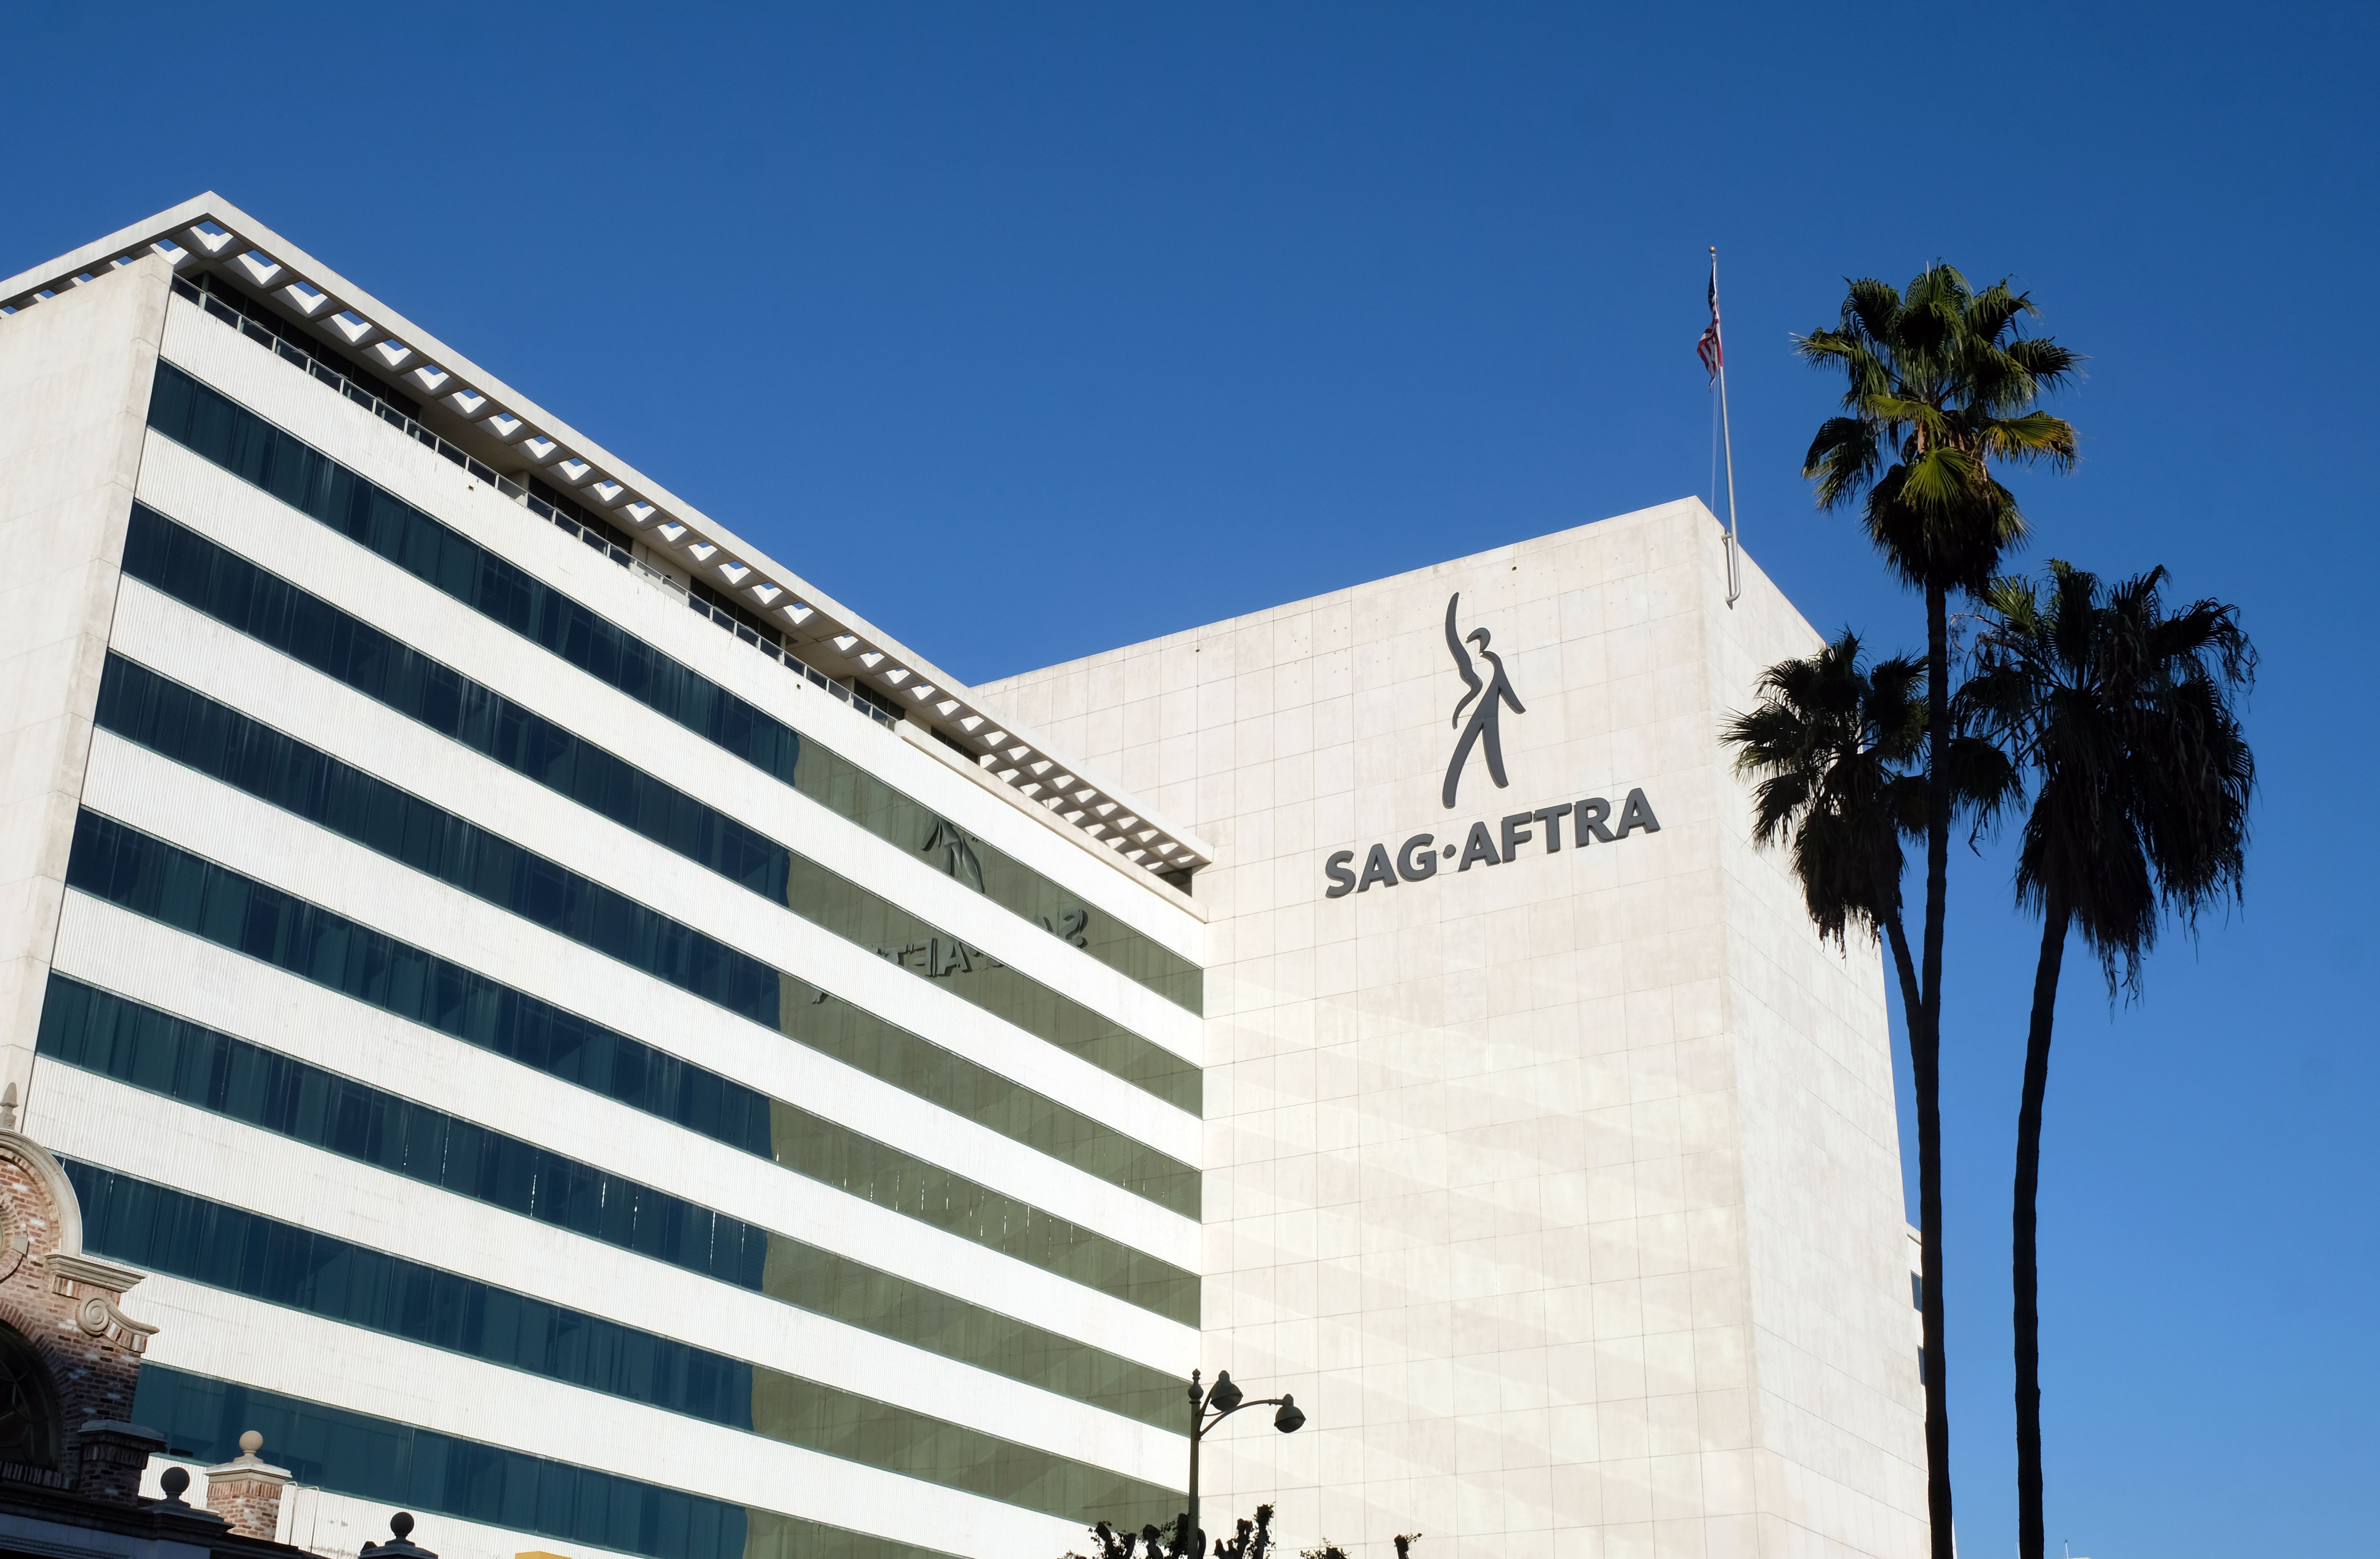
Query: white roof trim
[[211, 226]]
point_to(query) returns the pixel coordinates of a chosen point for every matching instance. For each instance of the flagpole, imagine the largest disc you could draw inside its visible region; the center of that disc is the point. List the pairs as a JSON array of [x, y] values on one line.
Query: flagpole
[[1727, 438]]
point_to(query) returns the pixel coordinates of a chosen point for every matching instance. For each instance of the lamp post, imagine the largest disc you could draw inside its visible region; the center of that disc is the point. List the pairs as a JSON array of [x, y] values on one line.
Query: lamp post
[[1208, 1408]]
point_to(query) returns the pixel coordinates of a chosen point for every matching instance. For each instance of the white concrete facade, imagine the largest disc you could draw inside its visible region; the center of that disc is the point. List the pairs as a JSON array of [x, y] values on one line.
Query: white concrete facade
[[1563, 1191], [76, 371], [73, 381], [1561, 1187]]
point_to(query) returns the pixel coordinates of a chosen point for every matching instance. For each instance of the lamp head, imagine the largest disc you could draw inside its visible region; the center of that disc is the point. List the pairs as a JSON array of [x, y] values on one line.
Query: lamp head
[[1288, 1420], [1226, 1396]]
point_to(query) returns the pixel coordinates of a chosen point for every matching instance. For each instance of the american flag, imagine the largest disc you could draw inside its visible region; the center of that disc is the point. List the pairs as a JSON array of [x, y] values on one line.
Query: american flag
[[1708, 348]]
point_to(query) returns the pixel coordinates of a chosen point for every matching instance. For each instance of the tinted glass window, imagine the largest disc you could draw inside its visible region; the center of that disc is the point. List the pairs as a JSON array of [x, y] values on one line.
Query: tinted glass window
[[149, 877], [99, 1030], [224, 432]]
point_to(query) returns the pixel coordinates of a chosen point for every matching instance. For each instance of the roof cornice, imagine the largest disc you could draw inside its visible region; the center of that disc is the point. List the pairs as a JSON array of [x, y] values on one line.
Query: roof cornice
[[210, 230]]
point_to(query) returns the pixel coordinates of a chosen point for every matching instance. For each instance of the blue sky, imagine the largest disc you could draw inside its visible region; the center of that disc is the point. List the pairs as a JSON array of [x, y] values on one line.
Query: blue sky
[[1033, 330]]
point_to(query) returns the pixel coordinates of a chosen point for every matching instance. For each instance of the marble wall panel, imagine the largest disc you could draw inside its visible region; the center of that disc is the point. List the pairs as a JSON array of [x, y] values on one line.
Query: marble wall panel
[[1563, 1191]]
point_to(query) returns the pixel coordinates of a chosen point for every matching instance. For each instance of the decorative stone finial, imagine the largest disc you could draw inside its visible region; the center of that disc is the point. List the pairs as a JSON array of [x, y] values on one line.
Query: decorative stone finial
[[9, 1108], [175, 1480], [399, 1546], [246, 1490]]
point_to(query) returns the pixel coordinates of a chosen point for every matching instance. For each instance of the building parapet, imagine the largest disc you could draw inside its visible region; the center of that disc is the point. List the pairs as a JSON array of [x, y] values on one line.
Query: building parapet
[[490, 424]]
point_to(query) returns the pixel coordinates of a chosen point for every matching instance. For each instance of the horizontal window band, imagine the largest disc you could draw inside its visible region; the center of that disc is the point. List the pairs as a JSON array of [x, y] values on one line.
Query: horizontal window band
[[160, 1229], [136, 871], [114, 1037], [186, 726], [391, 1463], [242, 595], [218, 428]]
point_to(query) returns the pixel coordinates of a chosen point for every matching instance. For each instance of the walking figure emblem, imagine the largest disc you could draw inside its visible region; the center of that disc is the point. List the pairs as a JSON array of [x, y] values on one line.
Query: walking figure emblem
[[1492, 694]]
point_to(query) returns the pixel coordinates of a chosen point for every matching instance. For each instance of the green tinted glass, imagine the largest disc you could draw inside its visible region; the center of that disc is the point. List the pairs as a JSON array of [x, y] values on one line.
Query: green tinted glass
[[144, 873], [167, 718], [267, 607], [396, 1464], [101, 1032], [166, 1230], [222, 430]]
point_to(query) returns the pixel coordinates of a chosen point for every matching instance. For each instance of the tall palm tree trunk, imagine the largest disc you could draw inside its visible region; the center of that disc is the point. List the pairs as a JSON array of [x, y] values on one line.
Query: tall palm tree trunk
[[1925, 1072], [1910, 999], [2032, 1539]]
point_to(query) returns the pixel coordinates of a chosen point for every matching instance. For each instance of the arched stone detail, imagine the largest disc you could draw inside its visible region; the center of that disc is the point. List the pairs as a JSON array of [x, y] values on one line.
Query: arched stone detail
[[33, 1420], [37, 1324], [52, 1219], [69, 1307]]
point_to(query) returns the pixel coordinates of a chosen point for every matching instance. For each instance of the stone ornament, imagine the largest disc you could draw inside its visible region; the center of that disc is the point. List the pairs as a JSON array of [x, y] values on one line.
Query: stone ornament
[[246, 1490], [65, 1310], [400, 1545], [98, 1286]]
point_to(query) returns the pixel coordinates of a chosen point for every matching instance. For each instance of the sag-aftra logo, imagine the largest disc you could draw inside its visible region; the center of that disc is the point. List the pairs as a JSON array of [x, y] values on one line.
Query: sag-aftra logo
[[1416, 860]]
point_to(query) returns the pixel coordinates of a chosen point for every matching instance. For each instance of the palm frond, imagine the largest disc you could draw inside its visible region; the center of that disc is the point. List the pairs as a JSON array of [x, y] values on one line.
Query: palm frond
[[1942, 479], [1994, 309], [2036, 436], [1986, 782], [1948, 389], [2048, 364], [1829, 745], [2125, 715], [1843, 457], [1870, 306], [1865, 371]]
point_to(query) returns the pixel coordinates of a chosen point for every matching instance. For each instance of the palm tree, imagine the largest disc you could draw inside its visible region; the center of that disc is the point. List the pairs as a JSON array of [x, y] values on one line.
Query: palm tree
[[1938, 387], [1830, 744], [2142, 780]]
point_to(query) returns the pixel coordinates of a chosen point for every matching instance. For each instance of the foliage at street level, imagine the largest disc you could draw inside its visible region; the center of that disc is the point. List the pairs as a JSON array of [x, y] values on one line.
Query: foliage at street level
[[1250, 1540], [1149, 1543], [1404, 1542]]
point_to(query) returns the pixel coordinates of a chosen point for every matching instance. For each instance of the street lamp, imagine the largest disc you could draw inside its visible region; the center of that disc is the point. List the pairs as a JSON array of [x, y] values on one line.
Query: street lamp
[[1209, 1407]]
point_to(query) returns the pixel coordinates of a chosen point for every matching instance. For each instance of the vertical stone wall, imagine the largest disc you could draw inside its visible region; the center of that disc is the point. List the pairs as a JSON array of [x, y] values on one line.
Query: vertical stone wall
[[75, 374], [1561, 1186]]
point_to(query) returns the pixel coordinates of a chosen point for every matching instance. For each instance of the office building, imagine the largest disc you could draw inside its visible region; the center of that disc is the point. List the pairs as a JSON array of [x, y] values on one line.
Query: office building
[[595, 1040]]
